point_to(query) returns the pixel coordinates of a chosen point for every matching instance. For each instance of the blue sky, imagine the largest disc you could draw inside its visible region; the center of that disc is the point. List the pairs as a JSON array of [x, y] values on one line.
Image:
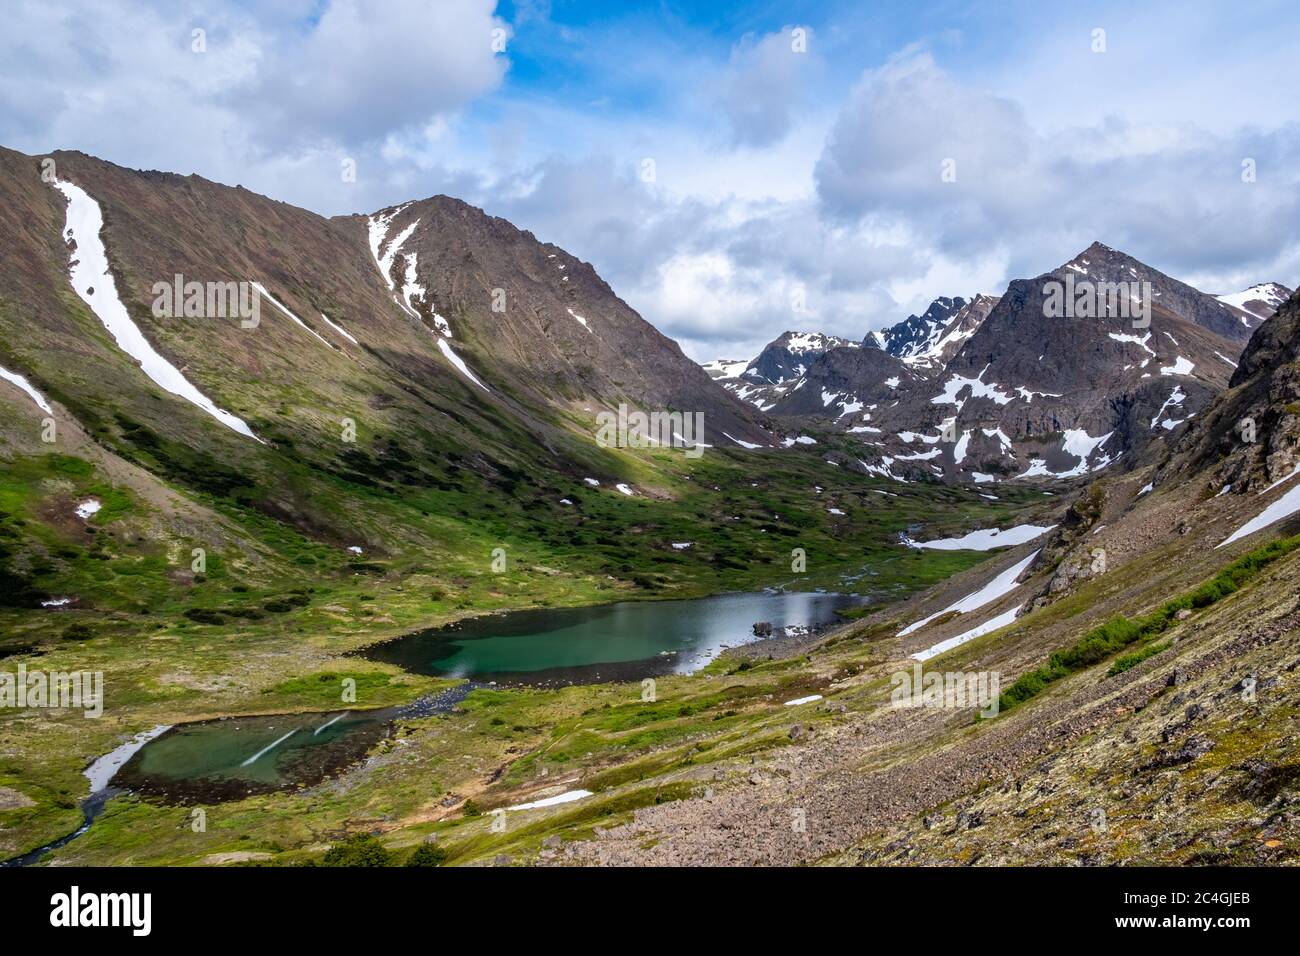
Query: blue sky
[[728, 181]]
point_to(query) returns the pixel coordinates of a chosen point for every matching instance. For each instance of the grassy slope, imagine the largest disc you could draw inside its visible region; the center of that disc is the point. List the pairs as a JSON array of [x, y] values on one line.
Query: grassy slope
[[289, 605]]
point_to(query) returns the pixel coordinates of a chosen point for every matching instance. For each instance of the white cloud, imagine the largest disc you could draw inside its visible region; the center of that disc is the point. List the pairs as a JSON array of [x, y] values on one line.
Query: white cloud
[[766, 84], [777, 173]]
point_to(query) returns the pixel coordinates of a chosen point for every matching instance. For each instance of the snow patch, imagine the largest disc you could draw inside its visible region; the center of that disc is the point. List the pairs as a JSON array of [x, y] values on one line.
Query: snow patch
[[978, 389], [459, 363], [94, 283], [261, 290], [567, 797], [1284, 507], [581, 320], [742, 444], [985, 539], [1000, 586], [339, 329], [15, 379], [1002, 620], [1137, 340]]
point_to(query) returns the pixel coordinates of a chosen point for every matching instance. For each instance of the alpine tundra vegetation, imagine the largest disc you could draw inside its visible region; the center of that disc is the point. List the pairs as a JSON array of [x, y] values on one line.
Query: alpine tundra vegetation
[[345, 522]]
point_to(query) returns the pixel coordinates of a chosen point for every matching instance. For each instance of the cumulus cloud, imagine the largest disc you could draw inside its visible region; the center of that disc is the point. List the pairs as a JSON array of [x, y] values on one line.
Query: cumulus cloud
[[272, 99], [794, 190], [907, 124], [365, 70], [765, 83], [1167, 192]]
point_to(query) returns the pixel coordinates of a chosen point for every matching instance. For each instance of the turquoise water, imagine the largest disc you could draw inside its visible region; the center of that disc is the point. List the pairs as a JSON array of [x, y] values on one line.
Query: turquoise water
[[624, 641]]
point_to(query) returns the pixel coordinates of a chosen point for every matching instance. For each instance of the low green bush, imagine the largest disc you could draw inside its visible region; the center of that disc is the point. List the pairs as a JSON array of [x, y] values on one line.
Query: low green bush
[[1120, 632]]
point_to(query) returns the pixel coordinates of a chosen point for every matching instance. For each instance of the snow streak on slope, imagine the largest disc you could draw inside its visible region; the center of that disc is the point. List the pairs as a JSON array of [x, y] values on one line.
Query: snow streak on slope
[[582, 320], [26, 386], [378, 226], [1284, 507], [339, 329], [566, 797], [742, 444], [261, 289], [1004, 583], [979, 630], [984, 540], [385, 253], [94, 283], [457, 361]]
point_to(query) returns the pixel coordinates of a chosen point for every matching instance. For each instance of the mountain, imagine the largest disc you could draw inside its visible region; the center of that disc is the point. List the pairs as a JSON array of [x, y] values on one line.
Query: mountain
[[561, 336], [843, 381], [762, 381], [929, 340], [1259, 302], [387, 320], [787, 356], [1062, 375], [1142, 640], [916, 333]]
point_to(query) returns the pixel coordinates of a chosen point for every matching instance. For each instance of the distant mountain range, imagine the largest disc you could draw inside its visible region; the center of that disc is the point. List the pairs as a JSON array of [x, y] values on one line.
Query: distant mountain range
[[1058, 377]]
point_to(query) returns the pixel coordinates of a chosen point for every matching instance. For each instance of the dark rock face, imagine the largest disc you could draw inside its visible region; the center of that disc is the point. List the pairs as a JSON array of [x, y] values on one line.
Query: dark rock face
[[1274, 344], [788, 357], [845, 381], [917, 333], [1104, 264], [928, 341], [1250, 437], [1061, 376], [534, 314]]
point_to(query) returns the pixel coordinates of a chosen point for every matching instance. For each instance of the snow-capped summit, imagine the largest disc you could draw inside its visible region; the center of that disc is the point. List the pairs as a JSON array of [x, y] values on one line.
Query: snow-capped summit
[[789, 355], [1260, 301], [930, 339], [725, 368]]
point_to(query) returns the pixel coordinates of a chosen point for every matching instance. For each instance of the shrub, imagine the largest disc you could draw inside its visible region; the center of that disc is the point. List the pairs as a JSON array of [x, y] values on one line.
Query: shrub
[[1120, 632], [360, 849], [204, 615], [427, 854], [1128, 661]]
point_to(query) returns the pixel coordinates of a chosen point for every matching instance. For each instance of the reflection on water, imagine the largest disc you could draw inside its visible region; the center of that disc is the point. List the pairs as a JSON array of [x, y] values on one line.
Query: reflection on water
[[214, 760], [608, 642]]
